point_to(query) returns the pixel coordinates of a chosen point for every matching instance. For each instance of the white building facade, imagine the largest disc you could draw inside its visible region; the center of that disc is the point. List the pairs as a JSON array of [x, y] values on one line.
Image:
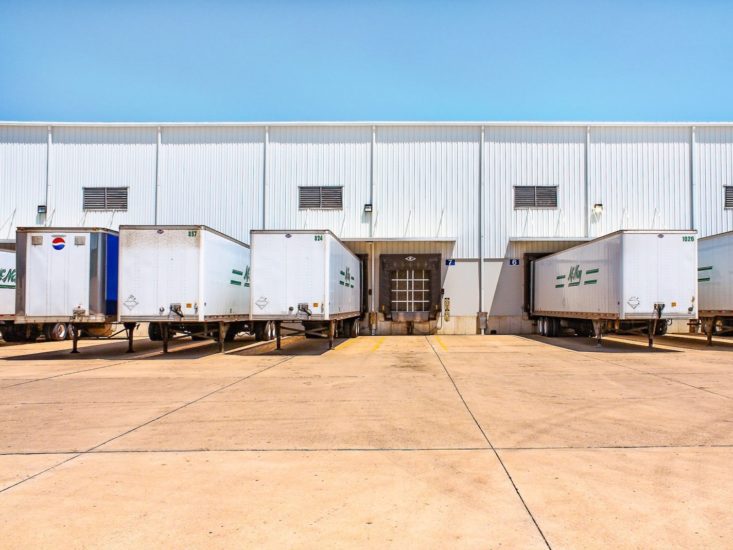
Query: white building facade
[[470, 203]]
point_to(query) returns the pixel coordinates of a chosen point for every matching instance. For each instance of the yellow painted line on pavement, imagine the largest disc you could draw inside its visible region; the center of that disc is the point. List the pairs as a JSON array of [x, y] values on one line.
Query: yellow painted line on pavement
[[442, 345], [379, 343], [346, 344]]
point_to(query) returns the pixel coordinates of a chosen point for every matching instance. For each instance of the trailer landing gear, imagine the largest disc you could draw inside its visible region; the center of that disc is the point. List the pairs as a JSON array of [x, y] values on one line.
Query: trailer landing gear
[[598, 331], [164, 327], [708, 325], [278, 334], [130, 328], [75, 339], [652, 327]]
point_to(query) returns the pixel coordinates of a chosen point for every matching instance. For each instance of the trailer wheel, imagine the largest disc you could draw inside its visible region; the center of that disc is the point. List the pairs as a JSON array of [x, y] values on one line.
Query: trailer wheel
[[9, 335], [232, 332], [553, 327], [264, 331], [353, 328], [29, 334], [154, 332], [662, 327], [56, 332]]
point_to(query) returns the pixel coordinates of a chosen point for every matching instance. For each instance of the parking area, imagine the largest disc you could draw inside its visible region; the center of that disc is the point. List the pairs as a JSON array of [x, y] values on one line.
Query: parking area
[[430, 441]]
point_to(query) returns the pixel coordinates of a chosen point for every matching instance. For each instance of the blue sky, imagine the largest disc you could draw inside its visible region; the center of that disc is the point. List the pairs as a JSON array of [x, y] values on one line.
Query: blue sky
[[401, 60]]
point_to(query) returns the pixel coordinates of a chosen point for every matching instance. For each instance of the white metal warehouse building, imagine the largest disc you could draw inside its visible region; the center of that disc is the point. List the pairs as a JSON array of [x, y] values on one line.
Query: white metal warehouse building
[[482, 194]]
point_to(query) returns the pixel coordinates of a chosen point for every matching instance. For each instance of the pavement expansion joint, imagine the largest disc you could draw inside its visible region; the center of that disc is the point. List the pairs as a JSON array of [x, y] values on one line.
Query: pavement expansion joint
[[95, 447], [611, 447], [493, 449], [656, 375]]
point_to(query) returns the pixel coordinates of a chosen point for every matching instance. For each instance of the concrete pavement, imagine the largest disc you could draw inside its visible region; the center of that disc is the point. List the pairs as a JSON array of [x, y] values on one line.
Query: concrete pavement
[[439, 441]]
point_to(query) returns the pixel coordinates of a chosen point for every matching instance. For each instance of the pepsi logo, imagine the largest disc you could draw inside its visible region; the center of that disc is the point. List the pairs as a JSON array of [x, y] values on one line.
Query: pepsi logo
[[58, 243]]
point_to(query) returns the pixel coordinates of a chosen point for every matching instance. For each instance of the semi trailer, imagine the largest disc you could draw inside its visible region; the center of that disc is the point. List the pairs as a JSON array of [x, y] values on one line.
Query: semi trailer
[[67, 276], [715, 284], [11, 331], [627, 281], [186, 280], [305, 278]]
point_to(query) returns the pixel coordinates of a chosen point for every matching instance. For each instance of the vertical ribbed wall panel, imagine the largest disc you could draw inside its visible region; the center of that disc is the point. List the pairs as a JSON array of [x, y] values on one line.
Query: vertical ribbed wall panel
[[212, 176], [516, 156], [101, 157], [319, 156], [426, 184], [22, 176], [641, 175], [713, 171]]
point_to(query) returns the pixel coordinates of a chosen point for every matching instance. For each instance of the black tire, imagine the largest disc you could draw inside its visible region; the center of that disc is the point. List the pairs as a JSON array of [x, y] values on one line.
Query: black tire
[[155, 332], [9, 334], [354, 328], [232, 332], [553, 327], [56, 332], [662, 327], [264, 331], [29, 334]]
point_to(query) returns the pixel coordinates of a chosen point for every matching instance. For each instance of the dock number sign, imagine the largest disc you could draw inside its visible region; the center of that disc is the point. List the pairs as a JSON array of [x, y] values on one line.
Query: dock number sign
[[513, 261], [450, 261]]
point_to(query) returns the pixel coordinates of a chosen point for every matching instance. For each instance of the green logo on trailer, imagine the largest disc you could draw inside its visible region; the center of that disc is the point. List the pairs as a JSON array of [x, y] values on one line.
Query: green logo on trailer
[[7, 278], [347, 279], [575, 277], [236, 274]]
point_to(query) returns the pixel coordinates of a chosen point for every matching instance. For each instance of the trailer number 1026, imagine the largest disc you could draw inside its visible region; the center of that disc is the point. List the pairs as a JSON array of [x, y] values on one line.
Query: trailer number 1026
[[688, 238]]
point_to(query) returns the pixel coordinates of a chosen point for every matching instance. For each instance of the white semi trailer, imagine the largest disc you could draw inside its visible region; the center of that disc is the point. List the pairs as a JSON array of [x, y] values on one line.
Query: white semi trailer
[[9, 329], [624, 281], [306, 277], [67, 276], [715, 283], [186, 280]]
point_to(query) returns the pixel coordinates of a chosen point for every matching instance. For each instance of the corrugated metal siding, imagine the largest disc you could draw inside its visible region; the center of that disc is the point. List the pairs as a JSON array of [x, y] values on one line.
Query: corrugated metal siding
[[101, 157], [212, 176], [532, 156], [426, 184], [22, 176], [713, 170], [315, 156], [641, 175], [426, 178]]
